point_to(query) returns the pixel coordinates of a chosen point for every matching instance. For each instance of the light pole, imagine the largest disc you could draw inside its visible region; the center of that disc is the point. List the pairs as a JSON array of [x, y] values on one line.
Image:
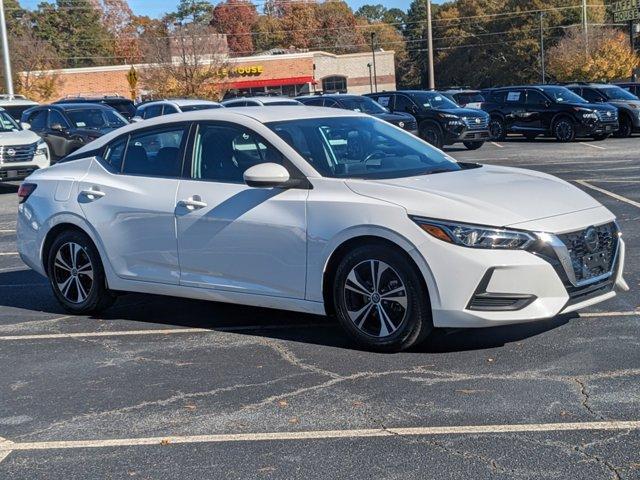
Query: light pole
[[432, 81], [5, 51], [373, 53], [370, 78], [542, 62], [585, 26]]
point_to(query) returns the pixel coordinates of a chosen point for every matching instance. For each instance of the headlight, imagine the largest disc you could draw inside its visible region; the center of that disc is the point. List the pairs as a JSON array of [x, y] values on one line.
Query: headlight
[[586, 113], [475, 236], [41, 148]]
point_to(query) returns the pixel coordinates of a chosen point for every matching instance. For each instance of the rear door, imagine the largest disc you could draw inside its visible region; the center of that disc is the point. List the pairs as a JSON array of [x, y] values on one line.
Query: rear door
[[514, 109], [536, 108], [129, 197]]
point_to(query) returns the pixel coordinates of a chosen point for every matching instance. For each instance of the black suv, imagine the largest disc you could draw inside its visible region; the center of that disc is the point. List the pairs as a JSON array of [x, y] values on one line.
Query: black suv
[[362, 104], [67, 126], [547, 110], [122, 105], [628, 104], [440, 120]]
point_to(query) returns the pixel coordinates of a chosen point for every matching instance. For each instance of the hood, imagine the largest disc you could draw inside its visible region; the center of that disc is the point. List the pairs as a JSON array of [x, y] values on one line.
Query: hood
[[18, 137], [464, 112], [395, 117], [490, 195], [631, 104], [591, 106]]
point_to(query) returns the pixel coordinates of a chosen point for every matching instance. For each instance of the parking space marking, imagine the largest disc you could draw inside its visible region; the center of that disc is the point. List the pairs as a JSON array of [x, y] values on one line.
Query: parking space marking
[[610, 314], [7, 231], [497, 144], [592, 146], [163, 331], [6, 254], [325, 434], [610, 194]]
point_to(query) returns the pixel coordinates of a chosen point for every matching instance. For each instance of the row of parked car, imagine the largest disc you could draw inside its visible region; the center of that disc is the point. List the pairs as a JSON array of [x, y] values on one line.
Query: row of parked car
[[34, 136]]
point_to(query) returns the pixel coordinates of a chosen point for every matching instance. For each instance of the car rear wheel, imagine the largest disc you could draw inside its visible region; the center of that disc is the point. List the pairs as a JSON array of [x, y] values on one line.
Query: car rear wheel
[[473, 145], [497, 129], [380, 300], [432, 134], [76, 274], [564, 130]]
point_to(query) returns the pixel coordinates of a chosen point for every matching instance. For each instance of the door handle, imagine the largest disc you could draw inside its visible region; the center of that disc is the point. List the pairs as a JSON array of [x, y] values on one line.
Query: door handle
[[93, 193], [192, 203]]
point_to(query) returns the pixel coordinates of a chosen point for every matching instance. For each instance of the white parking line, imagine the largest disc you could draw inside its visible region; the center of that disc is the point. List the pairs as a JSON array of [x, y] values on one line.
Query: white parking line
[[325, 434], [7, 231], [610, 314], [6, 254], [163, 331], [592, 146], [610, 194], [497, 144]]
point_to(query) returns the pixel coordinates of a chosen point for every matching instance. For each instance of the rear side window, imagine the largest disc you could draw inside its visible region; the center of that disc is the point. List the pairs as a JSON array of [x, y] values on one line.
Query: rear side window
[[114, 155], [384, 100], [155, 153], [169, 109], [152, 111], [56, 117], [515, 96], [314, 102]]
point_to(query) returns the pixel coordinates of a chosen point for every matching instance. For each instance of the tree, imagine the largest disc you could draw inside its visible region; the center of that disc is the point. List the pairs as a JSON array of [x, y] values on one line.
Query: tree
[[118, 19], [75, 28], [372, 13], [192, 63], [268, 33], [298, 21], [35, 62], [236, 18], [610, 57], [191, 11], [337, 28]]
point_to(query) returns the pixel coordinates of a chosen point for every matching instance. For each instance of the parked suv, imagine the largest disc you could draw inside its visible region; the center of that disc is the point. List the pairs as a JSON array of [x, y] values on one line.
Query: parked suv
[[440, 120], [14, 105], [359, 103], [67, 126], [547, 110], [122, 105], [21, 151], [166, 107], [627, 103]]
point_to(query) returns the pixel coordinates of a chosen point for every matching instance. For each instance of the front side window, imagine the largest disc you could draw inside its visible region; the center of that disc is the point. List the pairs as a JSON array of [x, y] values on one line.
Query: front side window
[[515, 96], [384, 100], [155, 153], [361, 147], [168, 109], [591, 96], [535, 98], [191, 108], [403, 104], [314, 102], [55, 117], [38, 120], [223, 153]]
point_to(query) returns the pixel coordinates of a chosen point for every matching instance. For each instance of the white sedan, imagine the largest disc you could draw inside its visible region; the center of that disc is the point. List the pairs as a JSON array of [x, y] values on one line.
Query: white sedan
[[315, 210]]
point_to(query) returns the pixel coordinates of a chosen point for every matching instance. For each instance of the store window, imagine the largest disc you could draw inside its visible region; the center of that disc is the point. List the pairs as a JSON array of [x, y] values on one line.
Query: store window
[[335, 83]]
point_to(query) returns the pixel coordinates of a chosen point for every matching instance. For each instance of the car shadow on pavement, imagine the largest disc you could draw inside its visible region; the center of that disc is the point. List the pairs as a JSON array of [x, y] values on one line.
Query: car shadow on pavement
[[8, 188], [30, 291]]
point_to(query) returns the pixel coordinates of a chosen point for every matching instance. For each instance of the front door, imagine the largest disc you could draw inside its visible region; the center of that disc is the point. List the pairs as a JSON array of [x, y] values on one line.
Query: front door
[[234, 237], [130, 200]]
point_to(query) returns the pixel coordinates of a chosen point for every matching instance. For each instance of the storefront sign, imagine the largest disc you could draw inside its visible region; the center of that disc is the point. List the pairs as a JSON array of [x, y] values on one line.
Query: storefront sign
[[241, 71], [625, 10]]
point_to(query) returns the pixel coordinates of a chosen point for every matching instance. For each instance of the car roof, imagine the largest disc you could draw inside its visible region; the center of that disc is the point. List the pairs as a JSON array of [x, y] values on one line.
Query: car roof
[[76, 106], [264, 100], [180, 102], [258, 113], [454, 91], [17, 101], [329, 95]]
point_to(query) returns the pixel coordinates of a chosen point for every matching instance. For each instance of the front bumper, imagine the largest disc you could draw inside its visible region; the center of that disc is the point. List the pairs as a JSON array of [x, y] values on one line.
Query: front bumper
[[483, 288], [597, 128], [21, 170], [464, 134]]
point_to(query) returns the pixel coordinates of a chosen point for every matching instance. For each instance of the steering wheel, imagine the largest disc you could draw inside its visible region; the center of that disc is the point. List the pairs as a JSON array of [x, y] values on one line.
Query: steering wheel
[[373, 155]]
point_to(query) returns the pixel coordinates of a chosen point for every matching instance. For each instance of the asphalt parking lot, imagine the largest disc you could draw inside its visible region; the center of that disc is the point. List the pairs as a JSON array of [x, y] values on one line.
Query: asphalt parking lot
[[167, 388]]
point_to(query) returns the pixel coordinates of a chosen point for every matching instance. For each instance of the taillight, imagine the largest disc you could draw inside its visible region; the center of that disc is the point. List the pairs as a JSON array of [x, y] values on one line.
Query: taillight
[[25, 190]]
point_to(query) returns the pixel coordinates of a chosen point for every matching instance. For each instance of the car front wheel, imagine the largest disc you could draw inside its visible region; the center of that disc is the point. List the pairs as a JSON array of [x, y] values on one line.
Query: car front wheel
[[76, 274], [564, 130], [432, 134], [497, 129], [380, 300]]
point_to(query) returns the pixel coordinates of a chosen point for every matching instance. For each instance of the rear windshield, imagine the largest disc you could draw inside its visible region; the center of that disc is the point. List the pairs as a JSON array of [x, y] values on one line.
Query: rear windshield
[[16, 110], [191, 108]]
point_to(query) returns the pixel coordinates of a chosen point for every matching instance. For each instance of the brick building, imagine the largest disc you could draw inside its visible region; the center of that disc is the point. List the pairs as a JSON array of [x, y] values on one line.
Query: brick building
[[288, 73]]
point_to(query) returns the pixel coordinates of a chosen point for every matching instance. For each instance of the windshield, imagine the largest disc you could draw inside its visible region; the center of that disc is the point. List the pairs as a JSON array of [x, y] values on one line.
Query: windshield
[[362, 104], [191, 108], [97, 118], [361, 147], [562, 95], [7, 124], [432, 100], [617, 93]]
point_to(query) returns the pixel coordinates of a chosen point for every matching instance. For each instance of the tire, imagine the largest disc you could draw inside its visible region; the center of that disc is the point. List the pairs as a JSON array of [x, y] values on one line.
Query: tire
[[473, 145], [626, 127], [564, 130], [497, 129], [530, 136], [431, 133], [360, 305], [603, 136], [76, 274]]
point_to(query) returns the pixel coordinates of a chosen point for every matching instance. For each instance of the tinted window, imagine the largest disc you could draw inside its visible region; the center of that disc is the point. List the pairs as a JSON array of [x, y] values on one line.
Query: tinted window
[[155, 153], [236, 103], [224, 152], [361, 147], [152, 111], [168, 109], [314, 102], [384, 100], [613, 92], [328, 102], [38, 120], [7, 124], [403, 104], [535, 98], [127, 109], [498, 97], [56, 117], [562, 95], [591, 95], [362, 104], [96, 118], [115, 154], [191, 108]]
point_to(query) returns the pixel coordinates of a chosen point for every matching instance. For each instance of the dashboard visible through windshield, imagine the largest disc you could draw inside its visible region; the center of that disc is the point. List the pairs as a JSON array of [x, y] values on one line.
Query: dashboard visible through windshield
[[361, 147]]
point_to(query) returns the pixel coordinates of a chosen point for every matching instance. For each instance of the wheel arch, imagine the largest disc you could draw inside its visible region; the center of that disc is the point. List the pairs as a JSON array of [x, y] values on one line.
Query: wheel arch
[[369, 238]]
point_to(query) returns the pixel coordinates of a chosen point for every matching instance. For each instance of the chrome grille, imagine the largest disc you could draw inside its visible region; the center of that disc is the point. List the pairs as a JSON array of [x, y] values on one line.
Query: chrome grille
[[603, 117], [17, 153], [594, 243], [476, 123]]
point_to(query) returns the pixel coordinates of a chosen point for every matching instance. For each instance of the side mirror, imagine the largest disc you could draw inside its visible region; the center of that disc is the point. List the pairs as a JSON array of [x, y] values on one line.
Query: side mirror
[[412, 109], [266, 175], [136, 119], [25, 125], [57, 127]]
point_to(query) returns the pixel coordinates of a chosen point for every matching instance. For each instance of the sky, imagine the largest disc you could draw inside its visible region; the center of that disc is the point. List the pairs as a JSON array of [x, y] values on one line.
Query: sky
[[157, 8]]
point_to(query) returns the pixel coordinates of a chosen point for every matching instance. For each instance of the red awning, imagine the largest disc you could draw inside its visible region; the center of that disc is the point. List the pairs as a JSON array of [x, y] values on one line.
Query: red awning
[[275, 82]]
